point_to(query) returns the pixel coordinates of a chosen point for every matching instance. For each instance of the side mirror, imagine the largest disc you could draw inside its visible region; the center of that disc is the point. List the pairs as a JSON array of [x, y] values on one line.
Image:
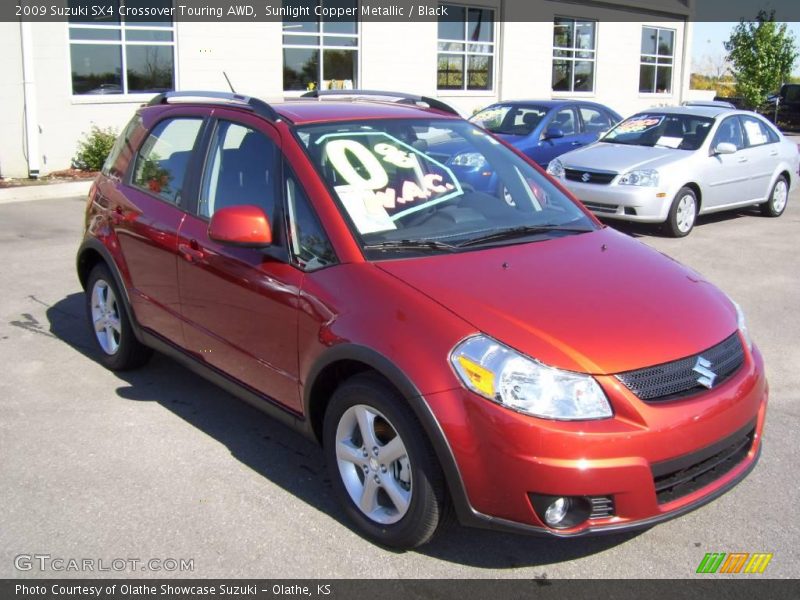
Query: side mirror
[[553, 132], [243, 225], [725, 148]]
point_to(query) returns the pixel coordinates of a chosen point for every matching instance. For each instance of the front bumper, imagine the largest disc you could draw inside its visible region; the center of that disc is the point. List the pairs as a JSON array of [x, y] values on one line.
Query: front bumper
[[504, 456], [627, 202]]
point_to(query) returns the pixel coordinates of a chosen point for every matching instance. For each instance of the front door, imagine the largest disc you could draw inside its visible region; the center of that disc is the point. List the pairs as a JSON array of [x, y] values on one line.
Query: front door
[[240, 304]]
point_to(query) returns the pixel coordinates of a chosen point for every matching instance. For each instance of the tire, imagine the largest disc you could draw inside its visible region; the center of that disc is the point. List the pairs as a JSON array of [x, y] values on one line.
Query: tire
[[394, 491], [113, 335], [682, 214], [778, 196]]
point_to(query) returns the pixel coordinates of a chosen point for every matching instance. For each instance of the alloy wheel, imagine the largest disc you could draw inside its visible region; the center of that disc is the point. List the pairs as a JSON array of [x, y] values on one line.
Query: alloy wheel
[[105, 317]]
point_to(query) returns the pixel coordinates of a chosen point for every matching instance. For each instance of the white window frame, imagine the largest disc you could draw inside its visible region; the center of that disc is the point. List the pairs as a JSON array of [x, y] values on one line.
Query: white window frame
[[320, 47], [123, 27], [466, 53], [574, 49], [657, 64]]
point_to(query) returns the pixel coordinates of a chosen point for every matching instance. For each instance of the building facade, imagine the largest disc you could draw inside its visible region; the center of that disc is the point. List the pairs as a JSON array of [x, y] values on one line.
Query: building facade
[[63, 77]]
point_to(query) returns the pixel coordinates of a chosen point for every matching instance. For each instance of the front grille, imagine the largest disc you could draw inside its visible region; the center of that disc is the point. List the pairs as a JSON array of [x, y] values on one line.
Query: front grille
[[679, 379], [585, 176], [601, 208], [601, 507], [676, 478]]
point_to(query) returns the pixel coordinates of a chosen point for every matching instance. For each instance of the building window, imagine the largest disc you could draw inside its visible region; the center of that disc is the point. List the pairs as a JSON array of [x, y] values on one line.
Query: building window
[[466, 49], [574, 53], [320, 53], [658, 52], [129, 56]]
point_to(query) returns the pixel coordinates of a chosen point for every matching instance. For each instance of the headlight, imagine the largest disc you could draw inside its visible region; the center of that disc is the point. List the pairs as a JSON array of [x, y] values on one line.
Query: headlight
[[742, 324], [474, 160], [556, 168], [502, 375], [644, 178]]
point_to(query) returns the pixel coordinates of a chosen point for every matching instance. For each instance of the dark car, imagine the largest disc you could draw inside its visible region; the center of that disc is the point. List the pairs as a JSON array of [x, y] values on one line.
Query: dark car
[[545, 129], [451, 350]]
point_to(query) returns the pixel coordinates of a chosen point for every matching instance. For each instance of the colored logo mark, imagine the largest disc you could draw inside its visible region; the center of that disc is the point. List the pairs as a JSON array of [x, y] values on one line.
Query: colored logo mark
[[734, 562]]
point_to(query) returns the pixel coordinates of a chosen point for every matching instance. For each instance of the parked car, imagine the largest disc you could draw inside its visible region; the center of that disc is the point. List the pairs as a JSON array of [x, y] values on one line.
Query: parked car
[[783, 107], [670, 165], [315, 260], [545, 129]]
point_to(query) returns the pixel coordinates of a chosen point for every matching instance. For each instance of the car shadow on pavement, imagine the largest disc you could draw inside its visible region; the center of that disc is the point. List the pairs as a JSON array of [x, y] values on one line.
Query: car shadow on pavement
[[656, 230], [293, 462]]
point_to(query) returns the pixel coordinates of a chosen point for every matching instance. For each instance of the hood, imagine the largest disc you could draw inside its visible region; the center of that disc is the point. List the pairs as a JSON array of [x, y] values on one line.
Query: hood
[[598, 302], [621, 158]]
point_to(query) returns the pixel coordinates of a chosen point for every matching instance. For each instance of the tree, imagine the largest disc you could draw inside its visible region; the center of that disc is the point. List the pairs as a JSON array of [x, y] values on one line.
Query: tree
[[762, 54]]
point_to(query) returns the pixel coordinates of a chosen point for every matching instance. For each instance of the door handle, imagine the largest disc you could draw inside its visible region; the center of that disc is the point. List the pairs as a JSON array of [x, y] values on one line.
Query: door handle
[[774, 153], [742, 160], [191, 252], [576, 143]]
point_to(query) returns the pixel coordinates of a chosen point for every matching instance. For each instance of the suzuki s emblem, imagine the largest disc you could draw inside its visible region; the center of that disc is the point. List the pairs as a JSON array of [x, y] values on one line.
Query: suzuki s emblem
[[585, 177], [707, 376]]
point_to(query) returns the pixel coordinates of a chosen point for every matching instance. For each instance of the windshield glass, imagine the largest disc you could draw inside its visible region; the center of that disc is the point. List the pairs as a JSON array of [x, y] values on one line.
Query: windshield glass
[[436, 185], [681, 132], [509, 119]]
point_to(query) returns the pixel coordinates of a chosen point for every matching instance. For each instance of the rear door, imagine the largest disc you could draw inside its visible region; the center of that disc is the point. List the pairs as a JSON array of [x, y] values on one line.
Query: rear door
[[149, 206], [762, 149], [240, 304]]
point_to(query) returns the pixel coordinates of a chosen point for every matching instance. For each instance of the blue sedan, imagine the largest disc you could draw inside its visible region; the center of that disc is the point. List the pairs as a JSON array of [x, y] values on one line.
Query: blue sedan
[[546, 129]]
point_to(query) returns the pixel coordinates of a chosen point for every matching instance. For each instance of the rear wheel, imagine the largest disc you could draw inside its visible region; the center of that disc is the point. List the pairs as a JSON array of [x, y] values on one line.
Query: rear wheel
[[113, 334], [383, 469], [682, 213], [776, 204]]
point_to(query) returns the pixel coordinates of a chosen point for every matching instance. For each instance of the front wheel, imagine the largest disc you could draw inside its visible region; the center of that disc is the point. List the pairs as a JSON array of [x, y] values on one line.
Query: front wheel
[[384, 471], [776, 204], [682, 213]]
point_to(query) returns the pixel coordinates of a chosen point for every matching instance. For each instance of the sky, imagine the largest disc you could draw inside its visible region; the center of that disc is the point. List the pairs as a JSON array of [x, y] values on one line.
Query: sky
[[709, 37]]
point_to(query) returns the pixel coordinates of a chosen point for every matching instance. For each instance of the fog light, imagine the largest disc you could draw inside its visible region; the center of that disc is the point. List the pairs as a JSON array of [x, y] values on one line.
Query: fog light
[[556, 512]]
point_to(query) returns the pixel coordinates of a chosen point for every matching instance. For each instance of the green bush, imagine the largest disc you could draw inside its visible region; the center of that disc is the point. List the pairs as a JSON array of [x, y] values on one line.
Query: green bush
[[94, 148]]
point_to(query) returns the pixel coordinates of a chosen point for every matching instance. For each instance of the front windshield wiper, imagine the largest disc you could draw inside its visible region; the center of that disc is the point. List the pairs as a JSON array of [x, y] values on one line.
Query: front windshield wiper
[[522, 231], [411, 245]]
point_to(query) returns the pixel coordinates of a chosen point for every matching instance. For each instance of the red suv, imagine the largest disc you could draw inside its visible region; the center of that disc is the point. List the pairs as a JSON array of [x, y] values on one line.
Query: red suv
[[499, 353]]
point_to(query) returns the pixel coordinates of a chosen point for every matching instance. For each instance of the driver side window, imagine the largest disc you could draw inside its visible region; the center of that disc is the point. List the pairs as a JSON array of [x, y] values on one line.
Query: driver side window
[[730, 132]]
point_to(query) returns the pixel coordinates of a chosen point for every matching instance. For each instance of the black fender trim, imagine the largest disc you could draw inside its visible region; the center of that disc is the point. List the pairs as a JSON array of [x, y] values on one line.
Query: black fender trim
[[96, 245], [416, 400]]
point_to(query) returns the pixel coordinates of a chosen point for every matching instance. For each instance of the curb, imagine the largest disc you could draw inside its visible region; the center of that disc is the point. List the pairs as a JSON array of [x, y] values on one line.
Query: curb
[[44, 191]]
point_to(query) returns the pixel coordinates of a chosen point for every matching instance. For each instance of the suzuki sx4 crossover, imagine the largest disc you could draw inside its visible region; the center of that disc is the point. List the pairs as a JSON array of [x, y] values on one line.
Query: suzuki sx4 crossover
[[497, 355]]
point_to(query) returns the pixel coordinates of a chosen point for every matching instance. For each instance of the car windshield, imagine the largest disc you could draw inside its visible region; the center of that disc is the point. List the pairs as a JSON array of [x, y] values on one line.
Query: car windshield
[[510, 119], [677, 131], [436, 186]]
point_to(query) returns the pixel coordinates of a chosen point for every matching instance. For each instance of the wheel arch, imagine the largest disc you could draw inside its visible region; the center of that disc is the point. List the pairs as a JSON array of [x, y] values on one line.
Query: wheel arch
[[91, 253], [345, 360], [698, 193]]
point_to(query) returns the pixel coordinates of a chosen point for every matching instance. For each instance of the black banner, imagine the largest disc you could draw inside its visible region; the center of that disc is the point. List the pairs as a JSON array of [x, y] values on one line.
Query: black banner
[[100, 11], [384, 589]]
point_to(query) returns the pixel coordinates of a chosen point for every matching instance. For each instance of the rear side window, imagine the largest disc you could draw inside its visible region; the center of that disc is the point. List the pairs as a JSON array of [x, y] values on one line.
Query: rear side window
[[240, 169], [123, 141], [164, 157], [757, 133]]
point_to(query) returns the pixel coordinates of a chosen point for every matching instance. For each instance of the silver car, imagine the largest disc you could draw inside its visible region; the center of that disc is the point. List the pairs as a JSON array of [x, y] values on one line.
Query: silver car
[[668, 165]]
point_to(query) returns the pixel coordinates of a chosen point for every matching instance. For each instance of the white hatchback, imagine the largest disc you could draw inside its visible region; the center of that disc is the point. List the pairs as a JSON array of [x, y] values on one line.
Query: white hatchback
[[668, 165]]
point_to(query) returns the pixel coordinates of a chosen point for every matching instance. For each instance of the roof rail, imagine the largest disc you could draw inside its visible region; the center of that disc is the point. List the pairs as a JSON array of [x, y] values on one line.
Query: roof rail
[[407, 98], [258, 106]]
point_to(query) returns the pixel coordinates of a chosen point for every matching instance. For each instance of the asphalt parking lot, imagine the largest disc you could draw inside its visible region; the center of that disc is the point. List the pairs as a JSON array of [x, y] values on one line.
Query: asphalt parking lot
[[158, 464]]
